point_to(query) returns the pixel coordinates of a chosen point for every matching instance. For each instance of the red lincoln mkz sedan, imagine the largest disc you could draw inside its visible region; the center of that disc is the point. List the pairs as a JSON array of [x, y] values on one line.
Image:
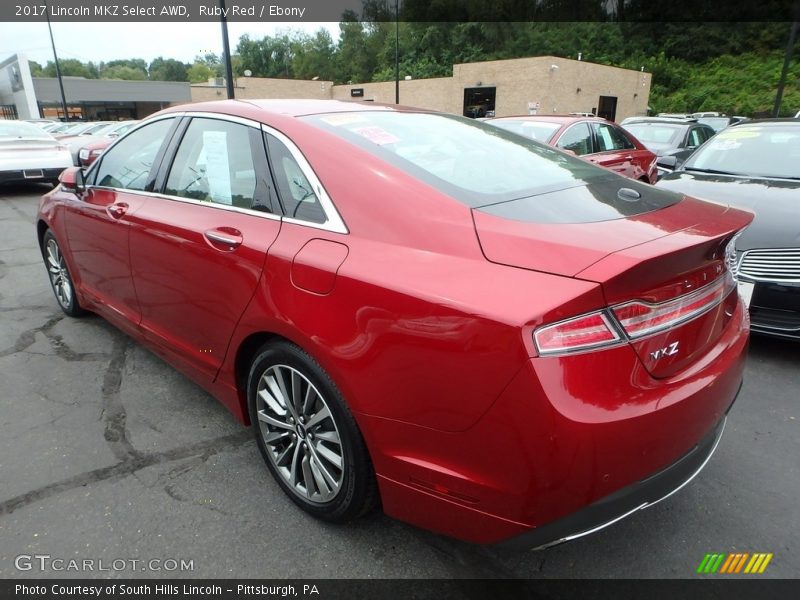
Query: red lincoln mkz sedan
[[496, 340]]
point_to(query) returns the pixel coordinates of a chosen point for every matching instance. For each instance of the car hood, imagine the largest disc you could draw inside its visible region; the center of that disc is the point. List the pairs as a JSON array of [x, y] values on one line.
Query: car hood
[[776, 203]]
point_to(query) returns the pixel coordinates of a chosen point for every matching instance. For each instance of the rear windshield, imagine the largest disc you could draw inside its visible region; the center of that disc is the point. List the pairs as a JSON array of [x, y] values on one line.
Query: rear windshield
[[657, 136], [757, 150], [475, 163], [20, 129], [540, 131]]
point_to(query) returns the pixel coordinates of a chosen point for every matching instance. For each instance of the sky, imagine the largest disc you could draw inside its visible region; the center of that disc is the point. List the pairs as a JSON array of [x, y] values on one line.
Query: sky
[[98, 42]]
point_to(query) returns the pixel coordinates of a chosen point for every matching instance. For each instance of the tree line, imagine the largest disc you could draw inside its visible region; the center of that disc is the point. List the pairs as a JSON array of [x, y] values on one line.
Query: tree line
[[732, 67]]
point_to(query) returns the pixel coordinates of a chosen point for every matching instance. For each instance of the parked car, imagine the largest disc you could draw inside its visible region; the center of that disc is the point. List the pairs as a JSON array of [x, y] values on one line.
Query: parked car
[[676, 138], [498, 340], [71, 129], [103, 136], [29, 154], [757, 166], [599, 141], [721, 122]]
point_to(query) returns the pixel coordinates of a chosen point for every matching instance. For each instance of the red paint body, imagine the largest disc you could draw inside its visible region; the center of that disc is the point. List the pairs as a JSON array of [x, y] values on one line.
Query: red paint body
[[426, 327]]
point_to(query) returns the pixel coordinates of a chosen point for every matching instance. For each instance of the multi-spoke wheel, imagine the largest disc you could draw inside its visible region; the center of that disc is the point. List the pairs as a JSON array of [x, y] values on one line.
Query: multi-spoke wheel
[[60, 279], [307, 436]]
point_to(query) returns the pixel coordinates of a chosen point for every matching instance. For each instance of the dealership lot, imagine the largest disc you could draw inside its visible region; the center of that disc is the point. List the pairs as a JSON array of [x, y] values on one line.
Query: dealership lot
[[107, 453]]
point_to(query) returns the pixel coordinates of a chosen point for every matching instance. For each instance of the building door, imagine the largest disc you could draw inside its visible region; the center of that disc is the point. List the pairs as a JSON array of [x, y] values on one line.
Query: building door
[[607, 108], [479, 102]]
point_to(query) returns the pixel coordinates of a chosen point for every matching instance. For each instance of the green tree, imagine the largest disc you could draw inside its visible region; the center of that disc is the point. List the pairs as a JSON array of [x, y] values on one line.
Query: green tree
[[200, 73], [167, 69]]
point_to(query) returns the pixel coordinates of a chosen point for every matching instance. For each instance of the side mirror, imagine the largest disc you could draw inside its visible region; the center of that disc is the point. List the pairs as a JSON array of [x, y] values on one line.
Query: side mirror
[[71, 180], [667, 162]]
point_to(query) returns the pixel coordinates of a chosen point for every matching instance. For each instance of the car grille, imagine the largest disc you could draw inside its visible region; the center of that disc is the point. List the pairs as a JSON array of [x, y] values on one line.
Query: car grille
[[775, 264], [767, 318]]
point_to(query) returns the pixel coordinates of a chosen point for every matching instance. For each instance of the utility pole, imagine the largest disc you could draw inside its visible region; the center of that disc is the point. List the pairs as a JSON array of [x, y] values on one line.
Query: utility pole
[[58, 70], [226, 51]]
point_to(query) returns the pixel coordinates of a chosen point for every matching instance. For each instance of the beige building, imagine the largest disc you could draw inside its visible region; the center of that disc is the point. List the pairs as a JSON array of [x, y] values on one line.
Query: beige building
[[541, 85]]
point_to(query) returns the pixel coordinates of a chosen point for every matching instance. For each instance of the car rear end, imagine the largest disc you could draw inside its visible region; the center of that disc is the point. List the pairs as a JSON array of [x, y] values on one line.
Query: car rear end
[[634, 359], [29, 154]]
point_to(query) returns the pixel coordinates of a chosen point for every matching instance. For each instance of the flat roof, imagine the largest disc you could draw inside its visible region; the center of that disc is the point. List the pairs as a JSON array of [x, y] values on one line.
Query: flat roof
[[80, 89]]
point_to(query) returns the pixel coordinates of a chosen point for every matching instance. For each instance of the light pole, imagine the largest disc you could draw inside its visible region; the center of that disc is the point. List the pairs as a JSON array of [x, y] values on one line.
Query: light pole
[[226, 51], [58, 70], [787, 59]]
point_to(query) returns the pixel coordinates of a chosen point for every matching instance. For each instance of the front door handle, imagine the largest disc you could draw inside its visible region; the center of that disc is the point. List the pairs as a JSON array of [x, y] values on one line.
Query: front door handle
[[224, 238], [117, 210]]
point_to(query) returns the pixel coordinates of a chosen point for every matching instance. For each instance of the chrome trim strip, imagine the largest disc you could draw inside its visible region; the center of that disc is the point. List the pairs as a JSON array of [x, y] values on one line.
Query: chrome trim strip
[[246, 211], [221, 238]]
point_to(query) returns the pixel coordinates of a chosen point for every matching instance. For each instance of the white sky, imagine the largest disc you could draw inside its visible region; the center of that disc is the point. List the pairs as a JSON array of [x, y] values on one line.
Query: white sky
[[98, 42]]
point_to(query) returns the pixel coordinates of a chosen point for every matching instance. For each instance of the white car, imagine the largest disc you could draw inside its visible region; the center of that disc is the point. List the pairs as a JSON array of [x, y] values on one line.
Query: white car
[[29, 154]]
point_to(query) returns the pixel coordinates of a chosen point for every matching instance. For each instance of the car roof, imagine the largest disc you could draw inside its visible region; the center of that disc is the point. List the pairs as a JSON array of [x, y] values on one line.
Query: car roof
[[290, 107], [550, 118], [672, 120]]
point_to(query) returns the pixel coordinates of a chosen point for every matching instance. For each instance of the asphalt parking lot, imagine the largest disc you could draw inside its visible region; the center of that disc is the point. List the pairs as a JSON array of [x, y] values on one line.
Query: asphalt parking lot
[[108, 453]]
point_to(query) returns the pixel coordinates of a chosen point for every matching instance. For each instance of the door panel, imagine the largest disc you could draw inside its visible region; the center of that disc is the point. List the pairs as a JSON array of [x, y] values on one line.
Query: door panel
[[198, 251], [195, 269], [98, 230], [96, 221]]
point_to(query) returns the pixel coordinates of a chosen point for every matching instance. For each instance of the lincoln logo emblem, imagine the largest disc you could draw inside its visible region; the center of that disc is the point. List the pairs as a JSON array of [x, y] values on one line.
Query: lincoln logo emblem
[[670, 350]]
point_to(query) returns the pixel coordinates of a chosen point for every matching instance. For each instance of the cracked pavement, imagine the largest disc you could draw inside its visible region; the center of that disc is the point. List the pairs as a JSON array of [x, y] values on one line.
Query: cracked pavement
[[106, 452]]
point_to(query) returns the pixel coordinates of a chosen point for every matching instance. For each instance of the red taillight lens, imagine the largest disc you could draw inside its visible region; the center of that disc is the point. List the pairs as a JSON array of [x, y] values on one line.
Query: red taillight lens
[[641, 318], [587, 331]]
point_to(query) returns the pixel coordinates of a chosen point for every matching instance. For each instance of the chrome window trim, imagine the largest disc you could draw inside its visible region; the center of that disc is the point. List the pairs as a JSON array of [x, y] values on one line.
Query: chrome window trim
[[334, 222], [246, 211]]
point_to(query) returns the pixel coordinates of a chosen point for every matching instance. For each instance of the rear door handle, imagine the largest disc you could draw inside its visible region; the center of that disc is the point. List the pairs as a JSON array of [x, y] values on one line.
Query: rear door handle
[[224, 238], [117, 210]]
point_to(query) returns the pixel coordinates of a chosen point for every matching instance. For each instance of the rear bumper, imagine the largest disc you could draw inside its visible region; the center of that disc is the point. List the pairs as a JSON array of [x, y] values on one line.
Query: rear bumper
[[31, 175], [624, 502], [572, 444]]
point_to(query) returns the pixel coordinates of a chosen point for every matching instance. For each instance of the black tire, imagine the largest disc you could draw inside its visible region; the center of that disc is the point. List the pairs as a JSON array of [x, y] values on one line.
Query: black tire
[[296, 455], [59, 276]]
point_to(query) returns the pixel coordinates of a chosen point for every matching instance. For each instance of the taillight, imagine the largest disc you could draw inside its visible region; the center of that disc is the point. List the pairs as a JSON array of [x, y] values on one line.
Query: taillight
[[639, 318], [580, 333]]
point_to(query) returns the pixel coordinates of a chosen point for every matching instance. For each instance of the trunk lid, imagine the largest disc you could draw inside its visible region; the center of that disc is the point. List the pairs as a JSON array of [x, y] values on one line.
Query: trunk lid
[[661, 266]]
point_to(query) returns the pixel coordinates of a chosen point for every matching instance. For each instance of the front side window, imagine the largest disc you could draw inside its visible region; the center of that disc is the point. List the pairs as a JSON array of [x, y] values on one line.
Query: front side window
[[578, 139], [214, 163], [128, 163], [610, 138]]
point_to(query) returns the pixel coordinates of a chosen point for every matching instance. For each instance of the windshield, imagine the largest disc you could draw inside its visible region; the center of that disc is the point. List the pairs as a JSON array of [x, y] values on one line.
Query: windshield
[[657, 136], [716, 123], [533, 130], [473, 162], [762, 150]]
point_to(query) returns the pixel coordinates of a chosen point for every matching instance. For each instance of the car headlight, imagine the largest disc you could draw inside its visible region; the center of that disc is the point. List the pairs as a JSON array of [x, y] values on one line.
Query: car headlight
[[731, 256]]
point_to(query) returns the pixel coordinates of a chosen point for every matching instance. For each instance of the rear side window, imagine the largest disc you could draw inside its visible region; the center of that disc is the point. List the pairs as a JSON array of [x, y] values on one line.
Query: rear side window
[[540, 131], [128, 163], [577, 138], [214, 163], [610, 138], [294, 189]]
